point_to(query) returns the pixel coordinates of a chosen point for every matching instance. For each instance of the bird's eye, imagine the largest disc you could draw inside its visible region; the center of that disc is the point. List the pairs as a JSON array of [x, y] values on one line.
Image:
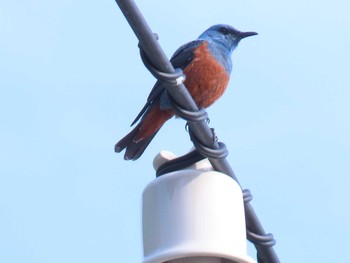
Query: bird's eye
[[224, 30]]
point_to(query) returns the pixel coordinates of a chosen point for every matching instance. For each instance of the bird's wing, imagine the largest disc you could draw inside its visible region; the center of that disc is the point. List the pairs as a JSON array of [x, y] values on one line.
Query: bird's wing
[[185, 54], [181, 58]]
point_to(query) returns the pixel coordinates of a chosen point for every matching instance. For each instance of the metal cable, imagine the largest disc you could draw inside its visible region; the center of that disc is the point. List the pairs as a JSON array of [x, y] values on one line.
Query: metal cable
[[202, 136]]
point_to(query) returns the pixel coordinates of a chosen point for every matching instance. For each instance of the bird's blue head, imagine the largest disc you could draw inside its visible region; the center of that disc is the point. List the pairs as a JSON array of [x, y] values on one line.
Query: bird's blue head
[[225, 36]]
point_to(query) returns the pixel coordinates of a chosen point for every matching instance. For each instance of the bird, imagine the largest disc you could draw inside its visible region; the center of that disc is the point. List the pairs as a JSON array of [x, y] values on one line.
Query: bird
[[207, 65]]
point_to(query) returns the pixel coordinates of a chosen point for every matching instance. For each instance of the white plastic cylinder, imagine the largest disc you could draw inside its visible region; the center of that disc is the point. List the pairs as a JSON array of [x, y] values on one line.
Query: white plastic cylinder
[[192, 216]]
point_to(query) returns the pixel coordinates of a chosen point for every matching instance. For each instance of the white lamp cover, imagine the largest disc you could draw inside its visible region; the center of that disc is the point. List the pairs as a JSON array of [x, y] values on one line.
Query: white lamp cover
[[193, 216]]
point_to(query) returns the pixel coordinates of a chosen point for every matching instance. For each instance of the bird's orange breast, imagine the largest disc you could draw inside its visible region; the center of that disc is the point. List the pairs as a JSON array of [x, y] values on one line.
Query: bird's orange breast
[[206, 79]]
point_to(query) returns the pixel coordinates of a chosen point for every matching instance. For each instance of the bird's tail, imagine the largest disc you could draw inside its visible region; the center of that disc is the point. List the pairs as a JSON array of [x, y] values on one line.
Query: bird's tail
[[136, 141], [133, 149]]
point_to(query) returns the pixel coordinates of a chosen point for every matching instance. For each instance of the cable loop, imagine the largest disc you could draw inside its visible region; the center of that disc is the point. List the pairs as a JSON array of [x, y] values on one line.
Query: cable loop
[[247, 196], [189, 116], [176, 78], [265, 240], [207, 151]]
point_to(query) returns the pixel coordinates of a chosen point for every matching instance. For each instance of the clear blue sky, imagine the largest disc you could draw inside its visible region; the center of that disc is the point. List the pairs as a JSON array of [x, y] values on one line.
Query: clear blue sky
[[71, 83]]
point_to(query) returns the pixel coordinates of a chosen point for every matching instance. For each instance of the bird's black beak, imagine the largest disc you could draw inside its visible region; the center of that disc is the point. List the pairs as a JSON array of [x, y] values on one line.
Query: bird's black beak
[[247, 34]]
